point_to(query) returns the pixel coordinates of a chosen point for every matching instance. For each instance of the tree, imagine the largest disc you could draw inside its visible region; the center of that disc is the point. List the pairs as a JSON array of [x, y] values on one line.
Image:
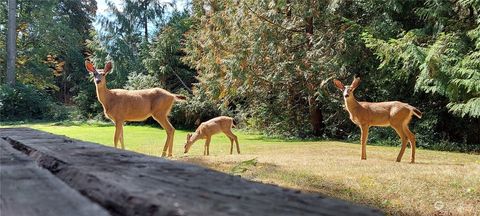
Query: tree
[[262, 55], [443, 53], [165, 52], [125, 36], [11, 41], [68, 68]]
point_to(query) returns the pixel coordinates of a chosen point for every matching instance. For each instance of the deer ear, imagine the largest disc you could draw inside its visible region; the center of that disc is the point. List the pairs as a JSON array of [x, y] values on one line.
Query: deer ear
[[89, 66], [108, 67], [338, 84], [355, 83]]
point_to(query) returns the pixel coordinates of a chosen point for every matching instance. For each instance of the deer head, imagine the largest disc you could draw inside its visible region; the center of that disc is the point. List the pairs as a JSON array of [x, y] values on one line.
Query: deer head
[[99, 75], [347, 90], [191, 138], [189, 143]]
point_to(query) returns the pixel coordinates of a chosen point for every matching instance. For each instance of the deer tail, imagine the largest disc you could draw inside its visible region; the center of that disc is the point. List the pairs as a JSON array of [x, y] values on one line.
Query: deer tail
[[180, 97], [417, 112]]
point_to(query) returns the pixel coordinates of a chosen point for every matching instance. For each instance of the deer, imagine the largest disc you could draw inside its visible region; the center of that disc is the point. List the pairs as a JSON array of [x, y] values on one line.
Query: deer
[[393, 114], [211, 127], [120, 105]]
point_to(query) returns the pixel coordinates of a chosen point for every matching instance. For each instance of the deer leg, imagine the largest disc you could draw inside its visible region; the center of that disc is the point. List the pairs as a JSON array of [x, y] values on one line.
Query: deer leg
[[116, 136], [234, 138], [231, 145], [120, 134], [411, 138], [236, 143], [207, 144], [122, 140], [364, 131], [205, 148], [231, 141], [403, 137], [163, 121]]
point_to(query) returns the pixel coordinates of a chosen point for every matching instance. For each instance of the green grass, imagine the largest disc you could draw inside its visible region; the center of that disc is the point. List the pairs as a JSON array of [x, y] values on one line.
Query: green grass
[[440, 183]]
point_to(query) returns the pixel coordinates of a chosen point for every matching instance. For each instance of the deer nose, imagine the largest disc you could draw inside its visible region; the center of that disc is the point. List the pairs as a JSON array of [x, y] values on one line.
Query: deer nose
[[347, 95], [98, 81]]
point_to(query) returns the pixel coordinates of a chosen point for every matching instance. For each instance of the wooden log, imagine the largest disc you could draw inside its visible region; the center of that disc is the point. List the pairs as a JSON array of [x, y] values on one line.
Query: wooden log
[[26, 189], [128, 183]]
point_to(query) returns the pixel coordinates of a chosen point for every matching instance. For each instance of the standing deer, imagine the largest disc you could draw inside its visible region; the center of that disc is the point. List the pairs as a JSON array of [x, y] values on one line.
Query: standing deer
[[391, 113], [121, 105], [207, 129]]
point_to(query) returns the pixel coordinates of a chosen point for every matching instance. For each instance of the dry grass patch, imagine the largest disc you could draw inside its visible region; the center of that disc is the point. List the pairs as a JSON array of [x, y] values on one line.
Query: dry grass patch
[[441, 183]]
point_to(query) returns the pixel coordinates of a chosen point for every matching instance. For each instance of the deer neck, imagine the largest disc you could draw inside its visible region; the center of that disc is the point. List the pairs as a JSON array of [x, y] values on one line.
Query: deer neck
[[103, 93], [195, 137], [351, 104]]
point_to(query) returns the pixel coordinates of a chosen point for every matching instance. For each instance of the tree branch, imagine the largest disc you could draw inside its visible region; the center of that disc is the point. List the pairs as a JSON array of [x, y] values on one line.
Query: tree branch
[[183, 83], [270, 21]]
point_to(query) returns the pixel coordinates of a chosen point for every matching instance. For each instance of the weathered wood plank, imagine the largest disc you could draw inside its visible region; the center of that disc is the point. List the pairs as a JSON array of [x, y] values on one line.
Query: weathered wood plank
[[128, 183], [26, 189]]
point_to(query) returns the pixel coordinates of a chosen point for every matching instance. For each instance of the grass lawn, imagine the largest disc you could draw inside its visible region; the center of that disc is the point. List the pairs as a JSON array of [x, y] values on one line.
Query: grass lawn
[[440, 183]]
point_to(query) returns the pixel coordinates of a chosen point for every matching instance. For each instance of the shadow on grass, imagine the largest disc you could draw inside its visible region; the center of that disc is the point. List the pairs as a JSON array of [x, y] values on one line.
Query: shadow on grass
[[439, 164], [273, 174], [65, 123], [274, 139], [82, 123]]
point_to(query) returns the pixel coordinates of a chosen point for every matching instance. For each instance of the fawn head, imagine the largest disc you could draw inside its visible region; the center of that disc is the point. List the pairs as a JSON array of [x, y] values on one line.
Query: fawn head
[[347, 90], [99, 75], [189, 143]]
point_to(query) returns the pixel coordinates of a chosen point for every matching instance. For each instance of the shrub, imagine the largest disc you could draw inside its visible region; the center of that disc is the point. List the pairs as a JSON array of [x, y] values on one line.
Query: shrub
[[194, 110], [141, 81], [23, 102], [86, 103]]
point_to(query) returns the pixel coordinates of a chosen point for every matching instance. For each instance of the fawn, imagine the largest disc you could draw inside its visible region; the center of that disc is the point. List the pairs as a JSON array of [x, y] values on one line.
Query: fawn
[[207, 129]]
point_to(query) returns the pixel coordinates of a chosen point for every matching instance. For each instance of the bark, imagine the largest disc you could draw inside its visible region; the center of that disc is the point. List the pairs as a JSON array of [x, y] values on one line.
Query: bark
[[316, 116], [145, 20], [11, 42]]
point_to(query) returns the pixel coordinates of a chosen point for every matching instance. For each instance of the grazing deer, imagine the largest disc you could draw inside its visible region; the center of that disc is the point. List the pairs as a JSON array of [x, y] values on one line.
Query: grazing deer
[[121, 105], [391, 113], [207, 129]]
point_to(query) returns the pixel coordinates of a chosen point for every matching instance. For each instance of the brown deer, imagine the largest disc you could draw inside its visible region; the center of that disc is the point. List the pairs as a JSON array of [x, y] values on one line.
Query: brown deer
[[391, 113], [207, 129], [121, 105]]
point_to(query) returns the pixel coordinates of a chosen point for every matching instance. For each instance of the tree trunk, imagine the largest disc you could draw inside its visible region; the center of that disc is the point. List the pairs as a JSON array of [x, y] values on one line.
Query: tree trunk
[[11, 41], [145, 19], [316, 116], [146, 29]]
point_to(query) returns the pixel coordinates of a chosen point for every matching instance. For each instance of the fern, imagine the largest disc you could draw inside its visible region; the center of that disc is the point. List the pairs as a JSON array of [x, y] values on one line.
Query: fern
[[243, 166], [447, 67], [470, 108]]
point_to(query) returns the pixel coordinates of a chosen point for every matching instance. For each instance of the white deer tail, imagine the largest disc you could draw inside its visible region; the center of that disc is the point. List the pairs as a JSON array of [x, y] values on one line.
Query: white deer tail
[[417, 112]]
